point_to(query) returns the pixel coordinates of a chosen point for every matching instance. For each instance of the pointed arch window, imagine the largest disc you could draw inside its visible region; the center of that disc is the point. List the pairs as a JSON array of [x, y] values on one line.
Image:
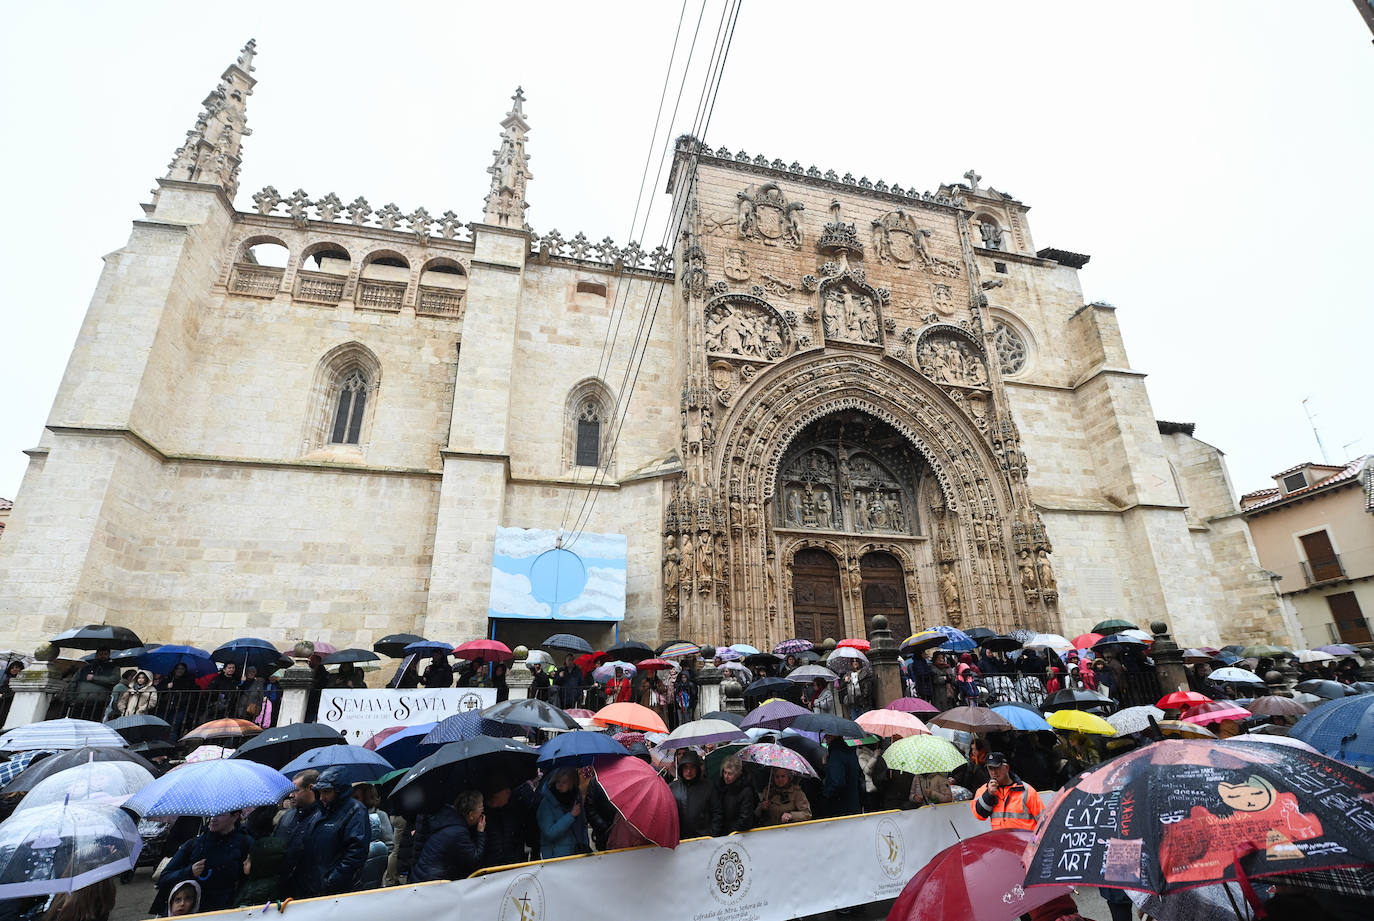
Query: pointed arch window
[[589, 424], [348, 412]]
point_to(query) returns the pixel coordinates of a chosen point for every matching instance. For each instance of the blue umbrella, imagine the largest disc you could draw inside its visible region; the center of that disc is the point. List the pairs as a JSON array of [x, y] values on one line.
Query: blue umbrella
[[162, 659], [20, 763], [209, 788], [249, 650], [463, 726], [577, 749], [357, 763], [428, 648], [959, 641], [1341, 729], [1021, 718], [745, 649], [403, 748]]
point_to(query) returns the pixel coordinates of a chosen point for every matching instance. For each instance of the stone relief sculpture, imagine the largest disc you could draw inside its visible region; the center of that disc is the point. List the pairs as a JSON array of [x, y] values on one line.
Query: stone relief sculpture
[[1049, 586], [948, 359], [765, 214], [704, 559], [741, 327], [848, 312]]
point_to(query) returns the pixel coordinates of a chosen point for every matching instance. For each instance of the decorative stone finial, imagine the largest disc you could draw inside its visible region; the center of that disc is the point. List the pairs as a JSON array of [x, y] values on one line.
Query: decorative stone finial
[[213, 147], [521, 653], [708, 653], [1159, 628], [510, 173]]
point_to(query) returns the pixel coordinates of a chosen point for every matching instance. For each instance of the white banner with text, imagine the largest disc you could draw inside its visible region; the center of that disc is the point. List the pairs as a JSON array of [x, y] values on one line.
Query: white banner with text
[[770, 874], [363, 712]]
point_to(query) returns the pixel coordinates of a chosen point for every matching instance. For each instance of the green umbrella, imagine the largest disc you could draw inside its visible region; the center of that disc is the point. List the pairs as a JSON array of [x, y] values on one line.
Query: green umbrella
[[1263, 650], [716, 757], [923, 755], [1113, 625]]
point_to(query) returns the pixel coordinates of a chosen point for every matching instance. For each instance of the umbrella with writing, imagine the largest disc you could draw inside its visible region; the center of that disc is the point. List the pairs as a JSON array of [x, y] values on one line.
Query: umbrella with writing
[[1178, 814]]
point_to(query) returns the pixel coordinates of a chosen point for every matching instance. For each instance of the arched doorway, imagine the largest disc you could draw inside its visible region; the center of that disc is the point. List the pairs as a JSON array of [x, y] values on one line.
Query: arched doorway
[[815, 595], [884, 592]]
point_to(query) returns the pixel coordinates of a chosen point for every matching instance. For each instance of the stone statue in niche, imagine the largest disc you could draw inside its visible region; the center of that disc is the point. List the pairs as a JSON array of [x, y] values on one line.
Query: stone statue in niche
[[1048, 584], [861, 520], [991, 234], [689, 561], [745, 329], [825, 512], [704, 561], [794, 507], [671, 560], [848, 312], [765, 214], [951, 360], [1027, 568], [949, 594]]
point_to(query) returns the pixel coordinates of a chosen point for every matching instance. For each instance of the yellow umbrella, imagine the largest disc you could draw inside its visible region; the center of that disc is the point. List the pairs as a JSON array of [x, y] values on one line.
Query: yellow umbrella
[[1079, 721]]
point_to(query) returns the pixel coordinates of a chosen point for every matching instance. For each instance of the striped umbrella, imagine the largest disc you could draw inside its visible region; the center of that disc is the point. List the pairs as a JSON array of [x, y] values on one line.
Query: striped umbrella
[[772, 755], [923, 755], [679, 650], [61, 735], [226, 728]]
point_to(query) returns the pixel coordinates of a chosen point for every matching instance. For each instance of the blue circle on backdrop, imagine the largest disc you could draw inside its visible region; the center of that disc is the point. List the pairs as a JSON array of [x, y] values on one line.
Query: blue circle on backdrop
[[557, 576]]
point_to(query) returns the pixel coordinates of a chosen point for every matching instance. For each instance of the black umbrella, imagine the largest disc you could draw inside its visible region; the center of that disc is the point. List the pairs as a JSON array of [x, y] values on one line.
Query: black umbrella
[[567, 642], [761, 658], [630, 651], [1075, 699], [142, 728], [350, 655], [153, 747], [279, 746], [829, 724], [471, 764], [977, 634], [532, 714], [97, 636], [1331, 690], [779, 686], [54, 764], [1000, 644], [395, 645], [249, 650], [734, 719], [809, 749]]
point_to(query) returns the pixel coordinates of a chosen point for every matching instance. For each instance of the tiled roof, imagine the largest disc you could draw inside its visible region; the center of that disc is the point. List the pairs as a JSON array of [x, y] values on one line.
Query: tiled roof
[[1342, 475], [6, 505]]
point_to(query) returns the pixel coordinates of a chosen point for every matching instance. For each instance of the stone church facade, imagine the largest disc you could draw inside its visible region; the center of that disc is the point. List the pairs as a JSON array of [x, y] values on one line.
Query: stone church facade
[[854, 399]]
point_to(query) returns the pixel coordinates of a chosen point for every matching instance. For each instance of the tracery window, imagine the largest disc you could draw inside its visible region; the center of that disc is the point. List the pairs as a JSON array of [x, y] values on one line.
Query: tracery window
[[348, 411], [1011, 348], [589, 419]]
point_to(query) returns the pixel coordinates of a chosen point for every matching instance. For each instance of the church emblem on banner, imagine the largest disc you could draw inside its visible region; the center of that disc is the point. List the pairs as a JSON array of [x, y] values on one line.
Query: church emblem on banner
[[731, 873], [890, 850], [523, 901]]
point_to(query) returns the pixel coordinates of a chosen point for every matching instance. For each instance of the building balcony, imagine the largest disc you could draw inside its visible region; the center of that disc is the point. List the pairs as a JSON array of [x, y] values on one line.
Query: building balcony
[[319, 287], [439, 302], [255, 280], [380, 295], [1325, 570]]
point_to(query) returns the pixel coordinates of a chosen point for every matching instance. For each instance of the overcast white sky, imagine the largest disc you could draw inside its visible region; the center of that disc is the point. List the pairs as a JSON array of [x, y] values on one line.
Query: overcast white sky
[[1213, 158]]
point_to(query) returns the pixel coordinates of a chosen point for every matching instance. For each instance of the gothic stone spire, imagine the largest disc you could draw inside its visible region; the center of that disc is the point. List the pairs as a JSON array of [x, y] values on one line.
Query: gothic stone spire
[[510, 173], [211, 153]]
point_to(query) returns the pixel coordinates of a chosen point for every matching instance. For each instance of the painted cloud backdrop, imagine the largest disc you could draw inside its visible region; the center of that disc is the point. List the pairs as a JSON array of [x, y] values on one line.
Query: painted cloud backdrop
[[533, 578]]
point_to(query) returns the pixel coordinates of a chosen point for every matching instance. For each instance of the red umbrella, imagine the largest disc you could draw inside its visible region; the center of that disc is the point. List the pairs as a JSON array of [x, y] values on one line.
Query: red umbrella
[[1214, 711], [641, 797], [861, 645], [1182, 700], [978, 879], [579, 713], [653, 665], [486, 650], [588, 661], [1086, 641], [912, 705]]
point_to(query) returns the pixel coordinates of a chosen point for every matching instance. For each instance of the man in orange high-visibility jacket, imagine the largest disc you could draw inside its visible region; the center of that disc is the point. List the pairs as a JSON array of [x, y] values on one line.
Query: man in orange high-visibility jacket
[[1004, 799]]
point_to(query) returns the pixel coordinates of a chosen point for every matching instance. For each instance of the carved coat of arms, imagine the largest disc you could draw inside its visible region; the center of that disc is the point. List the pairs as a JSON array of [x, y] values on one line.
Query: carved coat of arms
[[766, 215]]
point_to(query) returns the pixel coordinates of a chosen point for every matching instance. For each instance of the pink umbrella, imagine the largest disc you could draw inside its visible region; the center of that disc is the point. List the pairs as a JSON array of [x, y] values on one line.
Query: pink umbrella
[[641, 797], [208, 753], [772, 755], [485, 650], [325, 649], [1214, 711], [579, 713], [861, 645], [912, 705], [892, 723]]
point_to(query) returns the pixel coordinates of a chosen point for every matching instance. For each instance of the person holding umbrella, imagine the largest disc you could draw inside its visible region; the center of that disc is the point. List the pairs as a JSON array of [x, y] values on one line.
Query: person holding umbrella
[[440, 672], [698, 809], [843, 778], [783, 801], [1004, 799], [457, 841], [214, 859], [334, 841], [562, 826], [618, 687], [88, 691]]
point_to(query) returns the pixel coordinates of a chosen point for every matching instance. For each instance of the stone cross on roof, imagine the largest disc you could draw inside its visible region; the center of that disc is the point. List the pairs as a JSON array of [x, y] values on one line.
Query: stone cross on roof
[[972, 178]]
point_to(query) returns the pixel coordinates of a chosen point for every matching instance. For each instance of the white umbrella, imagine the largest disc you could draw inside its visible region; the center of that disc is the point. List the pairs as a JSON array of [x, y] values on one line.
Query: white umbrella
[[61, 735], [64, 847], [95, 782], [606, 671], [540, 656], [1275, 740], [809, 673], [847, 652], [1051, 641], [1235, 675], [702, 732], [1134, 719], [1313, 655]]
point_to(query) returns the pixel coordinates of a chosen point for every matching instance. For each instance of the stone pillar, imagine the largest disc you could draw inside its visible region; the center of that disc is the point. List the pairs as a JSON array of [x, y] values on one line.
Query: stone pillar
[[882, 655], [35, 688], [708, 684], [1291, 675], [1366, 664], [732, 693], [295, 694], [1278, 687], [518, 676], [1173, 676]]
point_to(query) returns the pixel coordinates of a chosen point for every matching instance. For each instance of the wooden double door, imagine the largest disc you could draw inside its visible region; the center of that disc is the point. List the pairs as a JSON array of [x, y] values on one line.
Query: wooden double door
[[817, 597]]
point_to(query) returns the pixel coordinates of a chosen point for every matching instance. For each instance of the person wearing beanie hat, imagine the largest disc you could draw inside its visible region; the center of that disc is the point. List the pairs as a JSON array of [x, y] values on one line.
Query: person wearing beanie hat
[[698, 808]]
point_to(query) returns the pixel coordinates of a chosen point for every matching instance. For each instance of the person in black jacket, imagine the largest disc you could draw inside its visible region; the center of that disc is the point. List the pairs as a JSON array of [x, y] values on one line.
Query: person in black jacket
[[457, 841], [508, 820], [334, 842], [539, 687], [697, 806], [439, 674], [738, 801], [214, 858], [843, 778]]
